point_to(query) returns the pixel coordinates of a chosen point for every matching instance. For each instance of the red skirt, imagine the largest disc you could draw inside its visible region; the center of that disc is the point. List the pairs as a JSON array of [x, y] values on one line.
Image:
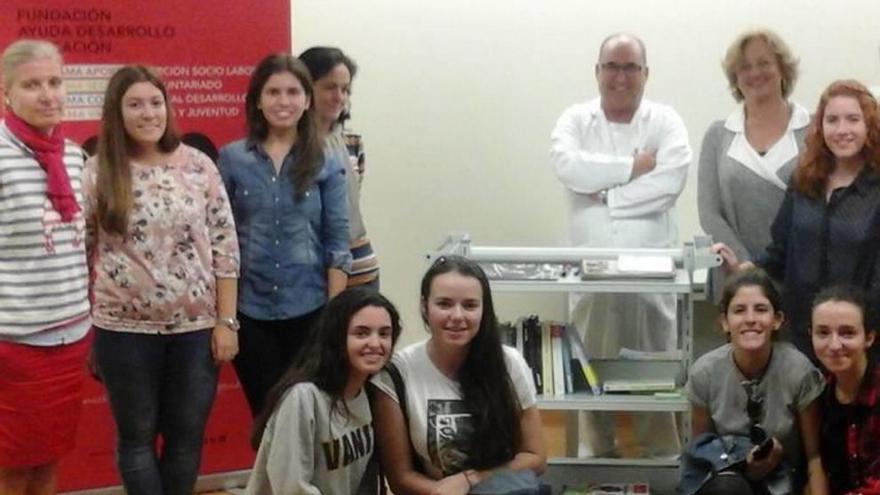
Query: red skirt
[[40, 401]]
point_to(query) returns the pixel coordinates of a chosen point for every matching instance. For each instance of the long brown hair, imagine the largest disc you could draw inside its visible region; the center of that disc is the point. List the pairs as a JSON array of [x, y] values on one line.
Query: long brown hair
[[308, 147], [115, 148], [326, 362], [485, 381], [818, 162]]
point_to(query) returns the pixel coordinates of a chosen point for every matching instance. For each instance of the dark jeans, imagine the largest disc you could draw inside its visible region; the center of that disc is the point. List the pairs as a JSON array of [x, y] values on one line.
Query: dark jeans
[[266, 348], [158, 385]]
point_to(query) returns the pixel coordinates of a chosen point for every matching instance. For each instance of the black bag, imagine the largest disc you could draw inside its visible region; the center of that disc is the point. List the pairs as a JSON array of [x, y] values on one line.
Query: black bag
[[400, 390]]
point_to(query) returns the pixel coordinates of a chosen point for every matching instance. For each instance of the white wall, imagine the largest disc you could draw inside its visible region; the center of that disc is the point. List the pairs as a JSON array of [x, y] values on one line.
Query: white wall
[[456, 100]]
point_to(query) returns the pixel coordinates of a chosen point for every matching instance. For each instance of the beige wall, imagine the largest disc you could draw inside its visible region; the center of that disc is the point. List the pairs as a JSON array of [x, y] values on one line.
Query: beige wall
[[456, 100]]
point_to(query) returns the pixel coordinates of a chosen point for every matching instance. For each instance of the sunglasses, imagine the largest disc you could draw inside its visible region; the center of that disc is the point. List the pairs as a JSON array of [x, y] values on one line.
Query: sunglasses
[[755, 403], [755, 410]]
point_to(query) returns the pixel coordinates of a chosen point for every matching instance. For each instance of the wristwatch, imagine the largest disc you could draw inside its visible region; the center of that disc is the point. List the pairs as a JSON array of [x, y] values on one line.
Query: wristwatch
[[603, 196], [230, 323]]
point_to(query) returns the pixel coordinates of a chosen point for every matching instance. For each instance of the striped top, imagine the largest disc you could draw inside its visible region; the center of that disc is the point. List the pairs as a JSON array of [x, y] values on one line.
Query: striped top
[[364, 264], [43, 270]]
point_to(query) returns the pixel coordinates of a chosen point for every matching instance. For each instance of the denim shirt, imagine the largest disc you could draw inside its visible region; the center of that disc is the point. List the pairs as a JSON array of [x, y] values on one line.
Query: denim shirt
[[287, 243]]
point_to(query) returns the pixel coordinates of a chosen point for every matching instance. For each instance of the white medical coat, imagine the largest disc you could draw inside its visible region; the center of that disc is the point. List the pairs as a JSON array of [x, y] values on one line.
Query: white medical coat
[[590, 154]]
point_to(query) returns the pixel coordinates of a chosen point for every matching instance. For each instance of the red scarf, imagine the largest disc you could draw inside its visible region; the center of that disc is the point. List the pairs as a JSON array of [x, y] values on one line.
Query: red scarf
[[49, 152]]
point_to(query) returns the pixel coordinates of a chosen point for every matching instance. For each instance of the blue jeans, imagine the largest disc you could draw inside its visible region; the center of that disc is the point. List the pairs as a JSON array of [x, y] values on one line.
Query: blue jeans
[[158, 385]]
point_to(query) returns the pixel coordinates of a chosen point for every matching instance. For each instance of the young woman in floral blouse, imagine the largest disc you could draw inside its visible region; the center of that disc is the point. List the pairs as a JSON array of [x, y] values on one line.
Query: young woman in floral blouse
[[165, 260]]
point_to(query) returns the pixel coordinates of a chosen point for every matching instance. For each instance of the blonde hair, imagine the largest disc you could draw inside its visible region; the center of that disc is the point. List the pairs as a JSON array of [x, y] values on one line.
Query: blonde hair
[[788, 64], [23, 51]]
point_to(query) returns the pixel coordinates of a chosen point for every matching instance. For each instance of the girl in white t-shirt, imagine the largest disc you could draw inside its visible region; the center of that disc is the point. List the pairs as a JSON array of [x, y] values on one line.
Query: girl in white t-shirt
[[315, 434], [464, 407]]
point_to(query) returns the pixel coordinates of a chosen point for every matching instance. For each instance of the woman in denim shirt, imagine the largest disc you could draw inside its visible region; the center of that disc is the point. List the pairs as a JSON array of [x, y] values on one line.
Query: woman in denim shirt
[[290, 209]]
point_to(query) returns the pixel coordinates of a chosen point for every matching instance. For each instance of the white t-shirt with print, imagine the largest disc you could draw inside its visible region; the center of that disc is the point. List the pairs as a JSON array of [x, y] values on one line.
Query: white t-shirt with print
[[440, 428]]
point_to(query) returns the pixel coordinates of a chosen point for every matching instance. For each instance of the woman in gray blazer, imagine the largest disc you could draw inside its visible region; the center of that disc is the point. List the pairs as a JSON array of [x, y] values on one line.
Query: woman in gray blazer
[[746, 160]]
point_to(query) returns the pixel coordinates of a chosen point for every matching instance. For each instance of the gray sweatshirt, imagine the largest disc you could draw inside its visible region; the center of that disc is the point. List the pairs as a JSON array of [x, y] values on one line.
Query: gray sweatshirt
[[305, 451]]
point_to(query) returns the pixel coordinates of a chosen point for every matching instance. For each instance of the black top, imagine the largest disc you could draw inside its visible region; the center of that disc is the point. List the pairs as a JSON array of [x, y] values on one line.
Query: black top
[[815, 243]]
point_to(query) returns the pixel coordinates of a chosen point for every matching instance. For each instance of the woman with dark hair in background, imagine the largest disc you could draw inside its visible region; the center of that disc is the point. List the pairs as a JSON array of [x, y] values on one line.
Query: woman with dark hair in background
[[827, 230], [746, 160], [843, 334], [459, 407], [165, 261], [291, 215], [753, 380], [319, 406], [44, 304], [333, 72]]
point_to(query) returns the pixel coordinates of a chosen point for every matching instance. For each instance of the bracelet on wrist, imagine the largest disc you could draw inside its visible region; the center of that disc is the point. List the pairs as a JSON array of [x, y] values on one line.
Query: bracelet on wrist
[[468, 479], [229, 322]]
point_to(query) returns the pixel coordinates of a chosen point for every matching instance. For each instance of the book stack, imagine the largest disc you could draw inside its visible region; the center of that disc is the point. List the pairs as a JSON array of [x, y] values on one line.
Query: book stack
[[555, 353], [560, 363]]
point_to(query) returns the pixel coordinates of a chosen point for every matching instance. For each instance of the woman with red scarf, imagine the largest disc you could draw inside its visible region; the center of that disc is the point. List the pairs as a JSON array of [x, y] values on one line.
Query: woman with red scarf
[[44, 306]]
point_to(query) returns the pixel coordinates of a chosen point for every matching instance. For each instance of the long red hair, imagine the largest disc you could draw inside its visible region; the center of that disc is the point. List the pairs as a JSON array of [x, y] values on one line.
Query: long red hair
[[817, 162]]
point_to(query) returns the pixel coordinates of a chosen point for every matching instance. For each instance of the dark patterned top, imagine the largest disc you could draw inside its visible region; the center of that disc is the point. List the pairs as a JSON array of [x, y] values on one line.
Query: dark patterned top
[[816, 243], [850, 440]]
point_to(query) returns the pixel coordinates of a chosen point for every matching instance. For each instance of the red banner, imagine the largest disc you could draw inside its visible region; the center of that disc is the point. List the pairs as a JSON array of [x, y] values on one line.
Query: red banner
[[205, 52]]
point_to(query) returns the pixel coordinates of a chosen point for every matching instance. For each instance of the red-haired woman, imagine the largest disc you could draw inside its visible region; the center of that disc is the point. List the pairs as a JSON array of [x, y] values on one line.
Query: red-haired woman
[[827, 230]]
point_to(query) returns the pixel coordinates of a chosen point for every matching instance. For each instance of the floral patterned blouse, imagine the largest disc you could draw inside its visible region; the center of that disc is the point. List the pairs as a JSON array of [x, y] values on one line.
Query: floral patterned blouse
[[161, 276]]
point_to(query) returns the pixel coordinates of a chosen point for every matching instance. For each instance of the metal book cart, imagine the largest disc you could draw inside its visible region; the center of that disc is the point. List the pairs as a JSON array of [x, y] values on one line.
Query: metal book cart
[[685, 284]]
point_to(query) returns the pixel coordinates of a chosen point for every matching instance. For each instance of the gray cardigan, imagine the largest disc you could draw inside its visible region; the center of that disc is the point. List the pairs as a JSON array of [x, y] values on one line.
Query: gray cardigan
[[737, 207]]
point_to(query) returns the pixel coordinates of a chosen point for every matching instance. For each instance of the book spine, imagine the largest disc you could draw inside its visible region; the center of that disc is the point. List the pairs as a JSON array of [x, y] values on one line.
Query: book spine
[[532, 333], [520, 325], [546, 359], [566, 363], [579, 352], [557, 335], [578, 378]]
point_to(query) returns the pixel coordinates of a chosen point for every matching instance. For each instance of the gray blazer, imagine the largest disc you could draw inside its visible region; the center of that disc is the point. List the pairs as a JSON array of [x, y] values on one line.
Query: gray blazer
[[736, 205]]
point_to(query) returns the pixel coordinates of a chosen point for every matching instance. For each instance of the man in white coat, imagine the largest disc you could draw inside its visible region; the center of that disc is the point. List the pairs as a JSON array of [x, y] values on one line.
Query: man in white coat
[[623, 161]]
